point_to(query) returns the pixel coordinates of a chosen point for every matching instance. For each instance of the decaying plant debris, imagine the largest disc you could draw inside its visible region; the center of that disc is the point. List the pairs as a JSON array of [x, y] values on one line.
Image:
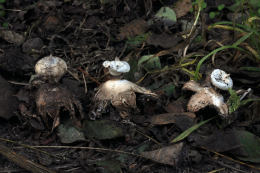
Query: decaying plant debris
[[52, 100]]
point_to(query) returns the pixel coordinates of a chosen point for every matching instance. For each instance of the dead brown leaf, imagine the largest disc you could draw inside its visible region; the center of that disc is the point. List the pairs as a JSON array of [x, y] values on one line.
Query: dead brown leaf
[[182, 7], [220, 141], [175, 106], [134, 28], [182, 120], [170, 155]]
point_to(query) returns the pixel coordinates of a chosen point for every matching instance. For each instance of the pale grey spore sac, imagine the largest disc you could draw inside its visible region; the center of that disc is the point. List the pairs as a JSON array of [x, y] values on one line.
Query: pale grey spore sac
[[51, 67], [221, 79]]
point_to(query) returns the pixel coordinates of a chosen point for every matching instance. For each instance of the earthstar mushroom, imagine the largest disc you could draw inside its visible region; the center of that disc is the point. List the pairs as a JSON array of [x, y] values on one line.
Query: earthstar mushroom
[[51, 97], [205, 96], [121, 94]]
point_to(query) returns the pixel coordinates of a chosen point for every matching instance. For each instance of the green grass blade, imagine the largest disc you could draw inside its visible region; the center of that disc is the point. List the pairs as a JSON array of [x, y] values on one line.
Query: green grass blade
[[242, 39], [217, 50], [244, 27], [254, 69], [190, 130], [206, 57], [249, 100]]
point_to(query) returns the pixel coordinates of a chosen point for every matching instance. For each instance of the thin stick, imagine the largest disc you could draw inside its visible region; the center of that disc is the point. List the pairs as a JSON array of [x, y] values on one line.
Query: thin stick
[[229, 158], [28, 146], [90, 148], [18, 83], [85, 83], [22, 161], [150, 138], [90, 77]]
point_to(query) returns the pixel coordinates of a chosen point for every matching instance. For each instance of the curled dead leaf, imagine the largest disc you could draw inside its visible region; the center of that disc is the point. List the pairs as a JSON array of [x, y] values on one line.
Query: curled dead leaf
[[183, 120], [182, 7], [171, 155]]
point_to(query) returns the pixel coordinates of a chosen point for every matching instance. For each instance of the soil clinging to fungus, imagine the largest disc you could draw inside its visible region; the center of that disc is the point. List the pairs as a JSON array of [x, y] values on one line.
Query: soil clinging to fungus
[[51, 99]]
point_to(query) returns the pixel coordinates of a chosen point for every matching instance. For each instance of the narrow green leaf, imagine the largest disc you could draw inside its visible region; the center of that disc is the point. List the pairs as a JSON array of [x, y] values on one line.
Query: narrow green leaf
[[256, 69], [207, 56], [190, 130], [238, 27], [242, 39], [248, 100], [212, 53]]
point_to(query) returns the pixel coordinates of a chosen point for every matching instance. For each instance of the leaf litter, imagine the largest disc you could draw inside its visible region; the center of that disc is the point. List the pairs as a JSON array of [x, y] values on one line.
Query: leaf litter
[[143, 121]]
